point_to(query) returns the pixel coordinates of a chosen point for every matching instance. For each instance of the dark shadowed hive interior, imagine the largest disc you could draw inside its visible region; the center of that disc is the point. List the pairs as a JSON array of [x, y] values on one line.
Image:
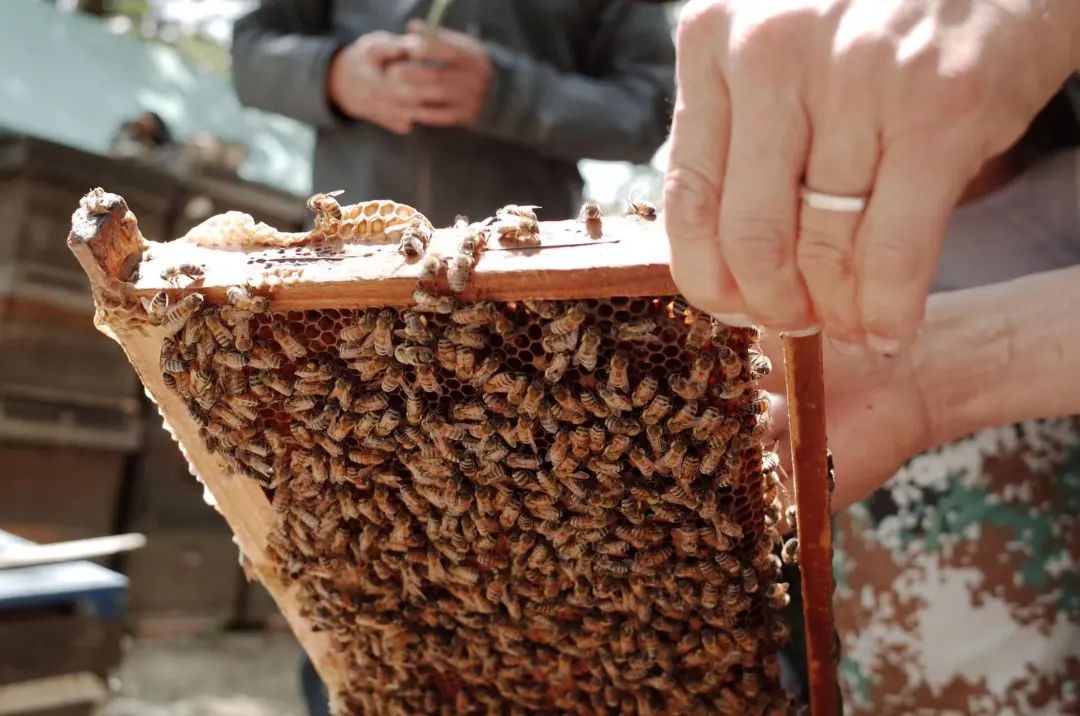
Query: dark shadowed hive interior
[[516, 507]]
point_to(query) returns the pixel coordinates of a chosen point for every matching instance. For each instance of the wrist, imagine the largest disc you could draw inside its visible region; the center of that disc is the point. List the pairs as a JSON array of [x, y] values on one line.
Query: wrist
[[998, 355]]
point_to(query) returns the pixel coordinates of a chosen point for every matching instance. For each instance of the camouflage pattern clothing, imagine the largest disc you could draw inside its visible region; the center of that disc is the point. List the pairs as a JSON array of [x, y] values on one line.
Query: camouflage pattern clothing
[[957, 583]]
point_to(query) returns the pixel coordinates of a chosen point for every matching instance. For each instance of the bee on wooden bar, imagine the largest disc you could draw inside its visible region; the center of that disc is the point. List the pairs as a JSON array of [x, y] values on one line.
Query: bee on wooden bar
[[173, 274], [592, 216], [640, 208]]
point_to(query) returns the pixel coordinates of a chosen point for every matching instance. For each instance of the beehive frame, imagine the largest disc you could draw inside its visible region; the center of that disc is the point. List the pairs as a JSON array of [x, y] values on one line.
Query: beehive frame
[[612, 278]]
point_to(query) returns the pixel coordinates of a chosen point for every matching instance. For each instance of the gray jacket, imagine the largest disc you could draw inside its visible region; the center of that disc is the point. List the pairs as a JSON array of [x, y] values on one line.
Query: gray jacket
[[573, 79]]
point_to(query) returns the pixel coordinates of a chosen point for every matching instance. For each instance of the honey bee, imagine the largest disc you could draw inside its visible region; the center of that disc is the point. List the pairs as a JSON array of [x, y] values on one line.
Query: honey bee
[[641, 329], [671, 460], [474, 315], [621, 425], [684, 419], [483, 373], [790, 551], [289, 345], [517, 224], [155, 311], [264, 359], [644, 391], [530, 401], [415, 235], [615, 400], [557, 365], [194, 272], [388, 422], [702, 368], [760, 403], [640, 208], [469, 411], [706, 424], [359, 330], [591, 215], [642, 461], [425, 377], [413, 355], [656, 410], [569, 322], [171, 362], [382, 336], [231, 359], [459, 271], [699, 331], [428, 302], [617, 371], [299, 404], [730, 365], [746, 641], [370, 368], [327, 210], [760, 366], [592, 404], [242, 299], [174, 316], [393, 376], [464, 364]]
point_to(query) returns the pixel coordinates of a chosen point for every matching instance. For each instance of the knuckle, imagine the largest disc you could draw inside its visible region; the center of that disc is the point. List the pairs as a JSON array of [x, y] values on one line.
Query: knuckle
[[963, 94], [699, 21], [892, 260], [819, 252], [756, 243], [690, 200]]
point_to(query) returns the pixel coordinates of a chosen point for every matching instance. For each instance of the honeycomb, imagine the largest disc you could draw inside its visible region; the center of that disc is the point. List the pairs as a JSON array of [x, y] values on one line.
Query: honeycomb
[[512, 507], [517, 507]]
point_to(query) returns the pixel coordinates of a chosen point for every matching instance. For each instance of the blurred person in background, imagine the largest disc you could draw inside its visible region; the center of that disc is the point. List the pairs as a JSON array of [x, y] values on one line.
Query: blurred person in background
[[496, 111]]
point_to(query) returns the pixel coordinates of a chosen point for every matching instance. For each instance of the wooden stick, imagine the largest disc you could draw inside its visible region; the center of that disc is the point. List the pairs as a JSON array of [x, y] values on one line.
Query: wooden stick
[[32, 555], [806, 410]]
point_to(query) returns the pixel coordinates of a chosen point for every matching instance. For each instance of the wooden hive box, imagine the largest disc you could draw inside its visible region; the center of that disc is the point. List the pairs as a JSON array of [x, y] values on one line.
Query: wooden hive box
[[523, 479]]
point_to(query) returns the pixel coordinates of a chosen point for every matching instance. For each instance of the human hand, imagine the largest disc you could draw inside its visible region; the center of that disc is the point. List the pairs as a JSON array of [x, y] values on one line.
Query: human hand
[[449, 77], [358, 84], [901, 101], [876, 413]]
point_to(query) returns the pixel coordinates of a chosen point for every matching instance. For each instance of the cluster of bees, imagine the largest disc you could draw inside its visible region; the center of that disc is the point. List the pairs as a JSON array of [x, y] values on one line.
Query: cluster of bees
[[517, 507]]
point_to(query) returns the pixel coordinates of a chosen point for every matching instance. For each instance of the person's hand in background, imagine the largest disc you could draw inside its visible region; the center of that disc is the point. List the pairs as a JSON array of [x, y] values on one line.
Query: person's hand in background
[[359, 85], [449, 75], [876, 414], [900, 101]]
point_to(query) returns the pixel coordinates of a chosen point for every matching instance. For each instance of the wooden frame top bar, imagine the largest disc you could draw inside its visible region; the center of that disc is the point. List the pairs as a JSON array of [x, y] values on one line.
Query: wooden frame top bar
[[630, 258]]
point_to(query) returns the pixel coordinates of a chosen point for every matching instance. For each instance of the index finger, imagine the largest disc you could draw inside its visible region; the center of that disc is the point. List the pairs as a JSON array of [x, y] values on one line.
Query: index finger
[[699, 145]]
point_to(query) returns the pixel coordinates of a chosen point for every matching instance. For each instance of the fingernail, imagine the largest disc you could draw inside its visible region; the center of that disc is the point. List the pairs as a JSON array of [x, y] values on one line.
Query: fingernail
[[737, 320], [846, 349], [802, 332], [881, 344]]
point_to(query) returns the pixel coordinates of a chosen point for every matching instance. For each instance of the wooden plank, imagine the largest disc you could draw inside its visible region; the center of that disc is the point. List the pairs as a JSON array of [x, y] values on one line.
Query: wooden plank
[[813, 495], [30, 555], [630, 259]]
